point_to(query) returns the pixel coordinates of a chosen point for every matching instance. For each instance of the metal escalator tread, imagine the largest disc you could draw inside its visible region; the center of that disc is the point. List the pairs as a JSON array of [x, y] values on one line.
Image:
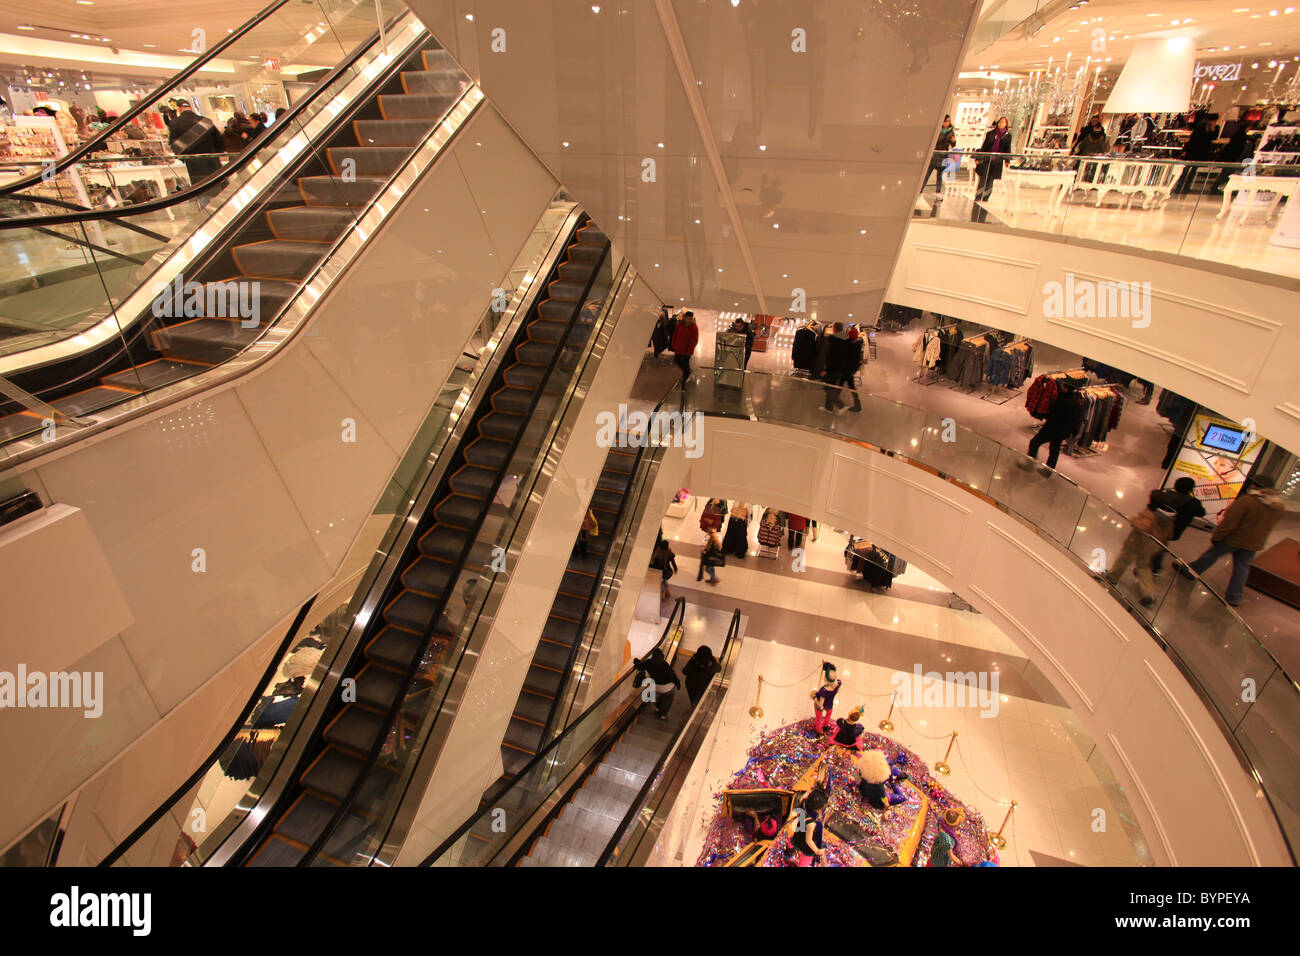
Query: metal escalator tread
[[367, 160], [552, 656], [277, 258], [379, 686], [411, 610], [513, 761], [428, 576], [523, 737], [309, 223], [543, 682], [501, 425], [557, 630], [332, 191], [355, 729], [487, 452], [579, 584], [393, 132], [474, 482], [308, 817], [149, 375], [532, 708], [206, 341], [547, 330], [458, 511], [444, 543], [569, 608], [405, 106], [394, 647], [512, 400]]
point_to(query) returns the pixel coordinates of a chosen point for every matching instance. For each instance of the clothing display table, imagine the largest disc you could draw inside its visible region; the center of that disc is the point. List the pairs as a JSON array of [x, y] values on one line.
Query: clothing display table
[[1059, 182], [1276, 572]]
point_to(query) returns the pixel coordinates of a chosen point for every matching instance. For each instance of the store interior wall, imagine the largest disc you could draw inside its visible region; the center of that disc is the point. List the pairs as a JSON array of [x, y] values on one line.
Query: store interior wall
[[258, 476], [1189, 790]]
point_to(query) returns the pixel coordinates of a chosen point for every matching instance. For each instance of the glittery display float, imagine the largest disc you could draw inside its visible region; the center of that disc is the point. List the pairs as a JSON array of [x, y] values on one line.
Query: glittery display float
[[758, 812]]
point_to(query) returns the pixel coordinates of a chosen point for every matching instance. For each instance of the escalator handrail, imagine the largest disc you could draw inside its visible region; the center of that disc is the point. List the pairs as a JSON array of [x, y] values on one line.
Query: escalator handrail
[[236, 726], [676, 619], [122, 213], [394, 709], [726, 660]]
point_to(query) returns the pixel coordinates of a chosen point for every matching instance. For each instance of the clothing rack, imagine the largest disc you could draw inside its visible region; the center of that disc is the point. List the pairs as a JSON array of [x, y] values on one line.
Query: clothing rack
[[932, 350], [1105, 407], [771, 532]]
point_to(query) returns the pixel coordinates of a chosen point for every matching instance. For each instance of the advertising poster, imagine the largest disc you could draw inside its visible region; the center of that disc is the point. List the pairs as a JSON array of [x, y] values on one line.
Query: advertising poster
[[1218, 454]]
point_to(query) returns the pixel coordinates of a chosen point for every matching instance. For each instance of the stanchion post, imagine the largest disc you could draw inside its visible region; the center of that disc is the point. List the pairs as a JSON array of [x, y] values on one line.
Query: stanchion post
[[757, 711], [942, 766], [997, 840], [887, 725]]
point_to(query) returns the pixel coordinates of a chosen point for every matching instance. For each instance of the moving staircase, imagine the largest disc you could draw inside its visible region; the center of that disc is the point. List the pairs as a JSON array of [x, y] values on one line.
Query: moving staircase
[[336, 800], [535, 716], [278, 246]]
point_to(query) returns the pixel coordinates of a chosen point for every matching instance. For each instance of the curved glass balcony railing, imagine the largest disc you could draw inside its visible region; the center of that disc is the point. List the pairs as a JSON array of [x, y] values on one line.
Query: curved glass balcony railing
[[1208, 641], [110, 312], [1231, 213]]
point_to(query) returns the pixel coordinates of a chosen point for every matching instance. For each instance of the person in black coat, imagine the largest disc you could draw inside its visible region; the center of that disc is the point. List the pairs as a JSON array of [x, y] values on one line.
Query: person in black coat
[[1196, 150], [666, 681], [1186, 508], [196, 140], [699, 671], [841, 364], [1233, 152], [988, 168], [1063, 420]]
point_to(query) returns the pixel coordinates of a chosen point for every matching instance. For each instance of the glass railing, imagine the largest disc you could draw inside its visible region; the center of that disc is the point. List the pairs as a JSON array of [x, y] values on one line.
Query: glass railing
[[998, 18], [227, 783], [637, 832], [1221, 211], [477, 842], [286, 39], [475, 591], [79, 330], [1257, 703]]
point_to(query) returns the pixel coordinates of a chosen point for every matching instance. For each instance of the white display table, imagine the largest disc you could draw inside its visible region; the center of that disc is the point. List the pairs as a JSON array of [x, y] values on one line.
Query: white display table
[[1247, 188], [1059, 181]]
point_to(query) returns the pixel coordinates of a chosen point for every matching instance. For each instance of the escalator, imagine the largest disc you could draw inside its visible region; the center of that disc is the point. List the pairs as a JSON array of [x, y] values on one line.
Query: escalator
[[335, 800], [591, 796], [233, 291], [536, 712]]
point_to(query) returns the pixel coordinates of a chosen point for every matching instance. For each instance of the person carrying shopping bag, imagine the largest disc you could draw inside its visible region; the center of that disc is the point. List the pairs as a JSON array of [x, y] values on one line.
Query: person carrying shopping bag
[[711, 557]]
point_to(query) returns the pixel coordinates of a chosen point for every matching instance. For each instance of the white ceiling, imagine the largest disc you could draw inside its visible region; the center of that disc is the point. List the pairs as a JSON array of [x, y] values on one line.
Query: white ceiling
[[773, 170], [1245, 27]]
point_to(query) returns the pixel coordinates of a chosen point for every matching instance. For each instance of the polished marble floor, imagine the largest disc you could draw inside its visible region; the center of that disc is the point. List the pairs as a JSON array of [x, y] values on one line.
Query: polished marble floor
[[1032, 751]]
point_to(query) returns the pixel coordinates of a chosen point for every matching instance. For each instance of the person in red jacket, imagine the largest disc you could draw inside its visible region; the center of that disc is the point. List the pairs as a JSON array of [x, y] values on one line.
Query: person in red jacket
[[685, 337]]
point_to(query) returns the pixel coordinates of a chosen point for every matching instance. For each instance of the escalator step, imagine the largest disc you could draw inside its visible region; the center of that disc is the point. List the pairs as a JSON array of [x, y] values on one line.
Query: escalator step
[[523, 736], [411, 611], [500, 425], [446, 84], [444, 543], [621, 460], [356, 729], [559, 631], [332, 773], [488, 453], [278, 259], [590, 235], [378, 687], [513, 761], [380, 132], [622, 778], [574, 270], [405, 106], [428, 576], [612, 482], [547, 330], [578, 584], [438, 59], [532, 709], [394, 648], [367, 160], [607, 501], [535, 353], [148, 376], [310, 815], [278, 852], [566, 290], [207, 341], [555, 310], [524, 376], [554, 656], [543, 682], [474, 482], [310, 223], [512, 400], [333, 191], [570, 608], [459, 511], [584, 253]]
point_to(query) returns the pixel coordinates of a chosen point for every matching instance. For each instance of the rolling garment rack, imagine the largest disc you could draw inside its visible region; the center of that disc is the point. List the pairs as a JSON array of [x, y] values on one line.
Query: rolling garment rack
[[770, 534]]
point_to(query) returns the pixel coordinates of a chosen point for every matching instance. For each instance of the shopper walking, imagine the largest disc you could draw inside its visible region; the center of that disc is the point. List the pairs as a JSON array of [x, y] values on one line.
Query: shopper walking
[[1186, 508], [665, 680], [665, 562], [699, 671], [196, 140], [823, 699], [840, 367], [803, 350], [1151, 529], [946, 140], [1092, 141], [1243, 531], [1063, 420], [686, 336], [590, 527], [711, 557], [796, 525], [988, 168], [1196, 150]]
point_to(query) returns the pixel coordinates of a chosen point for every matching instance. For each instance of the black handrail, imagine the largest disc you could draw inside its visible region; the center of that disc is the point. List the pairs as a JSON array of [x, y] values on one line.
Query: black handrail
[[118, 213], [145, 104], [395, 708], [675, 619], [652, 779], [236, 726]]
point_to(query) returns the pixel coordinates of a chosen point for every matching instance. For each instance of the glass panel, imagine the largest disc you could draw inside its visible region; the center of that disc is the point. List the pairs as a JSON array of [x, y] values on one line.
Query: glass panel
[[1270, 736]]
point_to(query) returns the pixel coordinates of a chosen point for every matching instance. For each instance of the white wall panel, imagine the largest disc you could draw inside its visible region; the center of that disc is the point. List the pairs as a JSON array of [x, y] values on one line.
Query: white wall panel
[[1226, 338]]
